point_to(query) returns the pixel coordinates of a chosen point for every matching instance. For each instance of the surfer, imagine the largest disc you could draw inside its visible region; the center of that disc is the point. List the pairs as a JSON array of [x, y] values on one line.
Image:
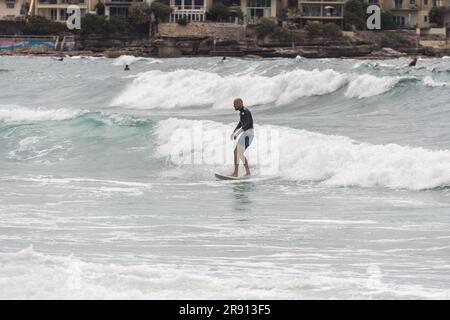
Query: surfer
[[244, 130], [413, 62], [127, 68]]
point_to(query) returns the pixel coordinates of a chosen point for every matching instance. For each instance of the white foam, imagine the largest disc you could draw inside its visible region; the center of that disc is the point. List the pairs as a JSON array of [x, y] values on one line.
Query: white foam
[[188, 88], [126, 59], [28, 274], [21, 114], [309, 156], [367, 85], [430, 82]]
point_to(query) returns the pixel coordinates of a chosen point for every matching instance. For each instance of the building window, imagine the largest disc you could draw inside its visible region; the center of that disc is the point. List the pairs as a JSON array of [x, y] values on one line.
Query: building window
[[398, 4], [259, 3], [412, 1], [425, 2], [53, 13], [399, 20], [258, 8], [118, 11], [10, 5], [311, 10], [425, 18], [63, 15]]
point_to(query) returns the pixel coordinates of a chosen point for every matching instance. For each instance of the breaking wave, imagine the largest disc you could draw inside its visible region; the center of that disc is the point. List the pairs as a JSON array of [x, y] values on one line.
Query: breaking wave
[[18, 114], [309, 156]]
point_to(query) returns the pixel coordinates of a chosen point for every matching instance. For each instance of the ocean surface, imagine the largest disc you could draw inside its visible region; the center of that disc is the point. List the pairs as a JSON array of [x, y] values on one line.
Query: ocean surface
[[107, 185]]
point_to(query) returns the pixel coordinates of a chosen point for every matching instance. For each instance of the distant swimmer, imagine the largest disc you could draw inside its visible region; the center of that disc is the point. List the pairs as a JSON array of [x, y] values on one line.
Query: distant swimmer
[[127, 68], [224, 58], [413, 62], [244, 130], [61, 59]]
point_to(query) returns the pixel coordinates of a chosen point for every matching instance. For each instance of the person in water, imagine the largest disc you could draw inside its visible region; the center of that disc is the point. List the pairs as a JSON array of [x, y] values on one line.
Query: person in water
[[127, 68], [244, 130], [413, 62]]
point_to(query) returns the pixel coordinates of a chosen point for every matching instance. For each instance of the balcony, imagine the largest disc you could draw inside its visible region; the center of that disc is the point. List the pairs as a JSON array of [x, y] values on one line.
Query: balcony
[[120, 2], [405, 7], [321, 1], [59, 3]]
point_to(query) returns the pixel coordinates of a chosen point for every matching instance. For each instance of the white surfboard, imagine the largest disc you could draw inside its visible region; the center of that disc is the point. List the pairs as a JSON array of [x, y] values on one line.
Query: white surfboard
[[226, 177]]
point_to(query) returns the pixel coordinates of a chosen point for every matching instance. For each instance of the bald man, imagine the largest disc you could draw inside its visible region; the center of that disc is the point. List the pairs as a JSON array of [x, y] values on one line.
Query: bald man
[[244, 130]]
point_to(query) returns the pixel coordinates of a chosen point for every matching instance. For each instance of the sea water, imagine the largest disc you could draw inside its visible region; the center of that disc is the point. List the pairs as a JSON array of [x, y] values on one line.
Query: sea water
[[107, 185]]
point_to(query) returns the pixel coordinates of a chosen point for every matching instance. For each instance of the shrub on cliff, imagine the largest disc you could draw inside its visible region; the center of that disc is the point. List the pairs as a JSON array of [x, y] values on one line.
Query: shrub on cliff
[[183, 21], [37, 25], [437, 15], [394, 40], [117, 25], [92, 23], [328, 31], [265, 27], [314, 29], [331, 31]]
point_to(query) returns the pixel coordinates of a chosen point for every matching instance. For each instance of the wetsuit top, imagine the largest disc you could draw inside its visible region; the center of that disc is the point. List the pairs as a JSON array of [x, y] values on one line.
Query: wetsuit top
[[245, 122]]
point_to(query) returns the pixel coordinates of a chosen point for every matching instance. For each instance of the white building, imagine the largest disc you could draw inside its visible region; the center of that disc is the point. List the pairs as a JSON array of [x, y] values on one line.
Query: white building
[[193, 10], [13, 9]]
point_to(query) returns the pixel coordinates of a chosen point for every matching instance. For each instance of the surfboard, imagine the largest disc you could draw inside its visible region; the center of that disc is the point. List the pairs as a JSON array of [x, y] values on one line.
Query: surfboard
[[226, 177]]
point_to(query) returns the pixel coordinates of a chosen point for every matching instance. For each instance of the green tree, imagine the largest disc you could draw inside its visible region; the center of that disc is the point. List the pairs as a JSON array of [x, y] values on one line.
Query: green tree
[[437, 15], [92, 23], [328, 31], [331, 31], [161, 10], [314, 29], [218, 11], [183, 21], [100, 8], [117, 25], [355, 14], [265, 27], [139, 13], [37, 25]]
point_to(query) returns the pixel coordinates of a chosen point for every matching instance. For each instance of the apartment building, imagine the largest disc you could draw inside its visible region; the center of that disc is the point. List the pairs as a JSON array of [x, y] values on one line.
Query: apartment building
[[56, 10], [325, 11], [256, 9], [120, 7], [193, 10], [13, 9]]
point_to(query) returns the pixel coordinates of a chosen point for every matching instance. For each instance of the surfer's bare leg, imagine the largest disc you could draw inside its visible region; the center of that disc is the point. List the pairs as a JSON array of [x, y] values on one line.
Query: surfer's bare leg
[[236, 164], [247, 169]]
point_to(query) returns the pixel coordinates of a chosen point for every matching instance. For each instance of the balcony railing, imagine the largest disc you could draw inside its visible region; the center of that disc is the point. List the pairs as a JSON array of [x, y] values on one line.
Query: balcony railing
[[188, 7], [322, 1], [405, 6], [109, 2]]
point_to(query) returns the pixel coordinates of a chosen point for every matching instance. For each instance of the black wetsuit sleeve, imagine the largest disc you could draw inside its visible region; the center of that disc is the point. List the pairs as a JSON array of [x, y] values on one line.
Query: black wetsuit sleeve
[[238, 126]]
